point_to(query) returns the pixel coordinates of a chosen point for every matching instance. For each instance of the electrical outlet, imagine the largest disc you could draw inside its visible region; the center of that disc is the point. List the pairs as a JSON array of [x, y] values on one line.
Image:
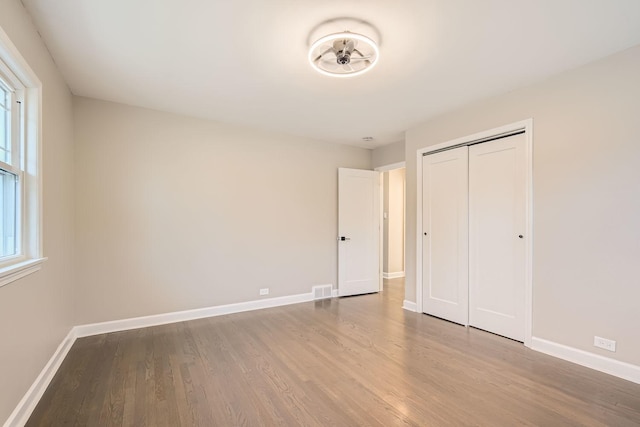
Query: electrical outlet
[[264, 291], [604, 343]]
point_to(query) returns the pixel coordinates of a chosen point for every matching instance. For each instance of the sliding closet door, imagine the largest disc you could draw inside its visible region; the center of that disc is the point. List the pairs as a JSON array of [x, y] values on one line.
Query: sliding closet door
[[497, 184], [445, 235]]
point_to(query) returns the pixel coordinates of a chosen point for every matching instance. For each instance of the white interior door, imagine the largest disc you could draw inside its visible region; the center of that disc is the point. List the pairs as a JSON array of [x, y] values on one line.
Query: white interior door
[[359, 231], [445, 235], [497, 220]]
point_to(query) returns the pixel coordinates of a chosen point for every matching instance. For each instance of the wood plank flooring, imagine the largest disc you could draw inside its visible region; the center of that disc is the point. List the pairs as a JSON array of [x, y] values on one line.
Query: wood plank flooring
[[358, 361]]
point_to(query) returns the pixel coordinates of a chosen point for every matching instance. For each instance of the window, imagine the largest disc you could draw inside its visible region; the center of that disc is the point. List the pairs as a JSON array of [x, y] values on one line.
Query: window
[[10, 171], [20, 229]]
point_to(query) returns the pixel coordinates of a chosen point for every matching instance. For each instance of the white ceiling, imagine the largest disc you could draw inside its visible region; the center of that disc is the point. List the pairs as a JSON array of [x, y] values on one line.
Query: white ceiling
[[245, 61]]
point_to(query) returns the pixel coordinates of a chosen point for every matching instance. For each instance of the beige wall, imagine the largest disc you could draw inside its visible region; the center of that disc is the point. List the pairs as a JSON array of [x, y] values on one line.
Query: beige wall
[[393, 248], [586, 198], [36, 311], [388, 154], [176, 213]]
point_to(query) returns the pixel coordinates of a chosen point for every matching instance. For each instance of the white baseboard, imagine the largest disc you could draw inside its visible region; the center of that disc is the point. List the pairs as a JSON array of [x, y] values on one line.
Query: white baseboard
[[181, 316], [394, 275], [410, 306], [600, 363], [334, 293], [25, 407]]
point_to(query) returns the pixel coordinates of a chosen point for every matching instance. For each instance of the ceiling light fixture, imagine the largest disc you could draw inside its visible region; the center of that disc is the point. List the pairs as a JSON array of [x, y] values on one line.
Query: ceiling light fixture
[[344, 53]]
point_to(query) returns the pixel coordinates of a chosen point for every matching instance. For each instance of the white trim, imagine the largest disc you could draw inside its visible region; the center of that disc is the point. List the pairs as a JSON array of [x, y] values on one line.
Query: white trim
[[31, 191], [410, 306], [14, 272], [334, 293], [418, 254], [16, 62], [381, 169], [380, 231], [27, 404], [392, 166], [181, 316], [528, 251], [527, 126], [600, 363], [33, 219], [394, 275]]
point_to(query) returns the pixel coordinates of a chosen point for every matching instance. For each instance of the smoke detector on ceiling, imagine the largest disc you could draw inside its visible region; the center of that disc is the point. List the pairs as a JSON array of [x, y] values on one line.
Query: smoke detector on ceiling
[[344, 53]]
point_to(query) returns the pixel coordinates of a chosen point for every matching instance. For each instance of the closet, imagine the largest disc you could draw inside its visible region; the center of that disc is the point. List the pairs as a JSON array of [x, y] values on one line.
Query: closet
[[473, 224]]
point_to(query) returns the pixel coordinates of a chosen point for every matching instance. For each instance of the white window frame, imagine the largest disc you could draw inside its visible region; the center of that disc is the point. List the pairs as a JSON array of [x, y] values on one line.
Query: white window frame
[[17, 73]]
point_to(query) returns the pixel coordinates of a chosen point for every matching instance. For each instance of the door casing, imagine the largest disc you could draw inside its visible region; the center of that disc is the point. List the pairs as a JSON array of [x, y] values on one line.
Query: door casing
[[382, 169]]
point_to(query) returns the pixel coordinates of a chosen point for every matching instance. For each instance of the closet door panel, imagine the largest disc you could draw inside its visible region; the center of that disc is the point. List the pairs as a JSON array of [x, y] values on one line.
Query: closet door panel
[[445, 235], [497, 184]]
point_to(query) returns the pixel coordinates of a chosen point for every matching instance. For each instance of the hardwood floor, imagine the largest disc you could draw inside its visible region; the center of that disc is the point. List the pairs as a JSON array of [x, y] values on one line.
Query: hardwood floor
[[342, 362]]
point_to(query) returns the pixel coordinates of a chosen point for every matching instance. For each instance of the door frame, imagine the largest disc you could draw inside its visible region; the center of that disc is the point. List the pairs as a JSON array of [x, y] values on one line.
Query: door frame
[[527, 126], [382, 169]]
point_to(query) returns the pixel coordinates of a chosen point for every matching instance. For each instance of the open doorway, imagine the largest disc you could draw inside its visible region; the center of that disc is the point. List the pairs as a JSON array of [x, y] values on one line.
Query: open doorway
[[393, 222]]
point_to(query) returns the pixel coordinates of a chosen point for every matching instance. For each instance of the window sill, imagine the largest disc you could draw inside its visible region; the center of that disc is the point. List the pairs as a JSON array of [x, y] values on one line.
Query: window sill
[[17, 271]]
